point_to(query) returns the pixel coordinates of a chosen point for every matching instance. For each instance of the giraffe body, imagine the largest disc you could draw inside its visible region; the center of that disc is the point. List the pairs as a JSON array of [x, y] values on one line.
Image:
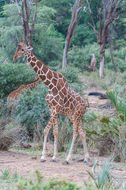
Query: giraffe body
[[61, 100]]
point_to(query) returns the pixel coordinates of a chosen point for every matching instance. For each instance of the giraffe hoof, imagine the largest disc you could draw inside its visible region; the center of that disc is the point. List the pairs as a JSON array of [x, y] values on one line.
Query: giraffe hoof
[[42, 160], [52, 160], [66, 162]]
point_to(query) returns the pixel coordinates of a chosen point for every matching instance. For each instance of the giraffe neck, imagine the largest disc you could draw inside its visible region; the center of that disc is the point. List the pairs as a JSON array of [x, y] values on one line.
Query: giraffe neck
[[32, 84], [45, 73]]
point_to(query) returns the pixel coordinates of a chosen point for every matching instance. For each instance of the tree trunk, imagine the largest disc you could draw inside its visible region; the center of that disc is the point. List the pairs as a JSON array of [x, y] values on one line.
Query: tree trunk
[[102, 60], [111, 53], [75, 13], [64, 63]]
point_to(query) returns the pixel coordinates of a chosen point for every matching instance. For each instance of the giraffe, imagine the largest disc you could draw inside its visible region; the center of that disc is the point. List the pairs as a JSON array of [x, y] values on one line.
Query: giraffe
[[16, 93], [93, 62], [61, 99]]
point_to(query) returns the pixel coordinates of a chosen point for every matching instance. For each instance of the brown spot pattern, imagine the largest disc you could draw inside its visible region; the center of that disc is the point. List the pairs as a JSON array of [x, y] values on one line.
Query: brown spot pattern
[[54, 91], [54, 81], [43, 77], [32, 64], [45, 69], [39, 64], [47, 82], [33, 59], [49, 75], [36, 69]]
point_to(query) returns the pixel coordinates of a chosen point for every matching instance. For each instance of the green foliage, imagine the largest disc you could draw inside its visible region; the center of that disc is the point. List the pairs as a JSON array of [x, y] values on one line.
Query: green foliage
[[103, 179], [78, 57], [20, 183], [63, 13], [31, 108], [82, 36], [60, 185], [3, 108], [2, 2], [36, 183], [118, 102], [5, 174], [49, 44], [65, 133], [12, 76]]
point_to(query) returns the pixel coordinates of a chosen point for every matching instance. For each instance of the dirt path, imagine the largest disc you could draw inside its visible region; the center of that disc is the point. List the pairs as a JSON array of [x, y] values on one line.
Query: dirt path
[[76, 172]]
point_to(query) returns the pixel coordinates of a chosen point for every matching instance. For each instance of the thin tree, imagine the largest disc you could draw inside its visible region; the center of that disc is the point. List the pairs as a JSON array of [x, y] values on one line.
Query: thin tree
[[111, 11], [24, 12], [110, 42], [75, 13]]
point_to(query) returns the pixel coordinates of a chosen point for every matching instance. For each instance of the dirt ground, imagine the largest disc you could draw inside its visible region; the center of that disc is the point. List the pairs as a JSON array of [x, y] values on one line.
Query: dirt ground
[[76, 172]]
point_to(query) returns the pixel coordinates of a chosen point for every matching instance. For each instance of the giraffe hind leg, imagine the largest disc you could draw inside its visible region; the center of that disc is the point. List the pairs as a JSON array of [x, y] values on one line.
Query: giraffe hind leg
[[75, 134], [82, 134]]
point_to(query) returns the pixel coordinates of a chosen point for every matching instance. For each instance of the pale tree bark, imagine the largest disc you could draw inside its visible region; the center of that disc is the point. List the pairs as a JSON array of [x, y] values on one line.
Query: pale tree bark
[[24, 12], [75, 13], [110, 14], [110, 41]]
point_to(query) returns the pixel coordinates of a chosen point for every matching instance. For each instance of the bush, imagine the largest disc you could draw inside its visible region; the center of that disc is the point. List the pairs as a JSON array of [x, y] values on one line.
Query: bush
[[65, 133], [12, 76], [31, 108], [78, 57], [60, 185], [117, 97]]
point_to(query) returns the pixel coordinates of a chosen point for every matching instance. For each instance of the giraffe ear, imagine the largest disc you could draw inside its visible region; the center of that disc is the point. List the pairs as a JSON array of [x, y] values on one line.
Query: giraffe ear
[[29, 48]]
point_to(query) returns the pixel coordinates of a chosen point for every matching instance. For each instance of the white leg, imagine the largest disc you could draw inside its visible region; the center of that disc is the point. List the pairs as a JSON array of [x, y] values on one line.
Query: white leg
[[75, 133]]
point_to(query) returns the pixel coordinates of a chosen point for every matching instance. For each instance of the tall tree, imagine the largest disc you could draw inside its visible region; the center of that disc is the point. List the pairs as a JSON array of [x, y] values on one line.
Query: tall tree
[[110, 11], [75, 13], [24, 12]]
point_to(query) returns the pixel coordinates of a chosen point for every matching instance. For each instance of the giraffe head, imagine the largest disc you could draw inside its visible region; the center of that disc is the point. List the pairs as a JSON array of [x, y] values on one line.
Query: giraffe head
[[22, 49]]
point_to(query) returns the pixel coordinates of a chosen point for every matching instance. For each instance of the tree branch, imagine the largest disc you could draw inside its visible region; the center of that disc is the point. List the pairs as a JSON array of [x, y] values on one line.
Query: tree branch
[[92, 19], [34, 17]]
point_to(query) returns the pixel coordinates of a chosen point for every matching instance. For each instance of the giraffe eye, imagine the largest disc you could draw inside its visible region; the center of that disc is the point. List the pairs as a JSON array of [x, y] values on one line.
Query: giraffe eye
[[22, 50]]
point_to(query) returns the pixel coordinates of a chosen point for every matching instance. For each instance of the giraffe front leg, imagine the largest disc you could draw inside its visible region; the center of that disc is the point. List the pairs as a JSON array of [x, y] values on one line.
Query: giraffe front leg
[[46, 132], [55, 133]]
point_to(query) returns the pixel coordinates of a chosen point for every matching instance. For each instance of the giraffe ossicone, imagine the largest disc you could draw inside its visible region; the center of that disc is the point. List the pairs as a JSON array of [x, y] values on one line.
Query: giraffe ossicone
[[61, 99]]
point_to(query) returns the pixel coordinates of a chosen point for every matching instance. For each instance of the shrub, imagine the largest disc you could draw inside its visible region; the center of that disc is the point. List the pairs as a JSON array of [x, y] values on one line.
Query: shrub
[[118, 101], [12, 76], [32, 108], [65, 133], [78, 57], [60, 185]]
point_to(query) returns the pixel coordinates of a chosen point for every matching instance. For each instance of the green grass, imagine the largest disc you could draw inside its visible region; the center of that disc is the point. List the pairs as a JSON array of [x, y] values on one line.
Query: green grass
[[15, 182], [27, 151]]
